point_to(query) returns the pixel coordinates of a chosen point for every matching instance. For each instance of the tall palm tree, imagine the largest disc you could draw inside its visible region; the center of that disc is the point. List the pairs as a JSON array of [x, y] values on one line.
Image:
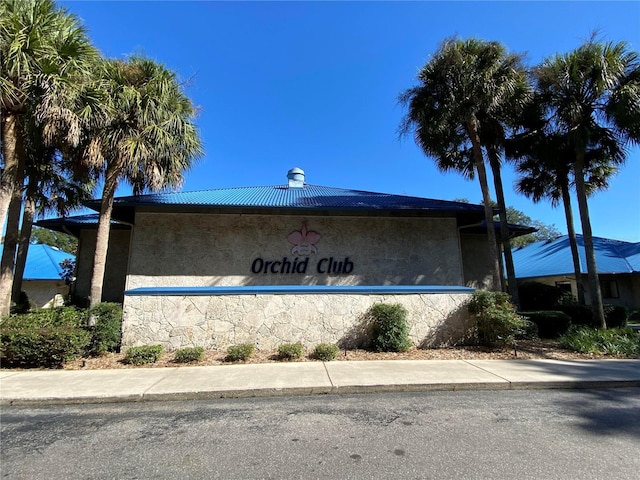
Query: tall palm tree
[[592, 95], [545, 173], [149, 140], [44, 54], [469, 94]]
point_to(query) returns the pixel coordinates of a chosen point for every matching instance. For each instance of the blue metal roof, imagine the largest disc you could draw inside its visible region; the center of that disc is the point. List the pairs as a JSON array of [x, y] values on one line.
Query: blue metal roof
[[283, 196], [43, 262], [550, 258]]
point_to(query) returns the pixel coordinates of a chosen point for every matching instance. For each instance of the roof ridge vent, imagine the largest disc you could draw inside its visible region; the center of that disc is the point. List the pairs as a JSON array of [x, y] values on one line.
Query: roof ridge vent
[[296, 177]]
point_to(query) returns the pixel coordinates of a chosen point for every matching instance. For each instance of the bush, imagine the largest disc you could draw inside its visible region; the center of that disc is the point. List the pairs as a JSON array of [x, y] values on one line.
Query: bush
[[496, 319], [528, 332], [189, 354], [535, 296], [143, 355], [107, 332], [390, 330], [239, 353], [43, 338], [580, 314], [615, 341], [616, 316], [550, 323], [23, 305], [326, 351], [290, 351]]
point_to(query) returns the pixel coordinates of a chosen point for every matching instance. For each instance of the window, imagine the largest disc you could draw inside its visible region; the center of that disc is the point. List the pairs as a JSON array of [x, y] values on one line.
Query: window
[[566, 286], [609, 289]]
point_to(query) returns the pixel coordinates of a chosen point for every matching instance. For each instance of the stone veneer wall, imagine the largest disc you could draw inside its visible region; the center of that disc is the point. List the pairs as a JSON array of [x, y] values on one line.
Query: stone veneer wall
[[172, 250], [267, 320]]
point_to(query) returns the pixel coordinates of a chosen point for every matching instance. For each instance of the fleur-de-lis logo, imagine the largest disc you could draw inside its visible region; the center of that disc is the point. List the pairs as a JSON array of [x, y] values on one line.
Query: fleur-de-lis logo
[[303, 241]]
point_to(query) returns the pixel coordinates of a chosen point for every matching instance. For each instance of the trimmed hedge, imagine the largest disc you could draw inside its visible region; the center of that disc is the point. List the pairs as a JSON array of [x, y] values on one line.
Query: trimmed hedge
[[326, 351], [536, 296], [289, 351], [550, 323], [44, 338], [389, 328], [107, 332], [144, 354], [240, 352], [188, 355]]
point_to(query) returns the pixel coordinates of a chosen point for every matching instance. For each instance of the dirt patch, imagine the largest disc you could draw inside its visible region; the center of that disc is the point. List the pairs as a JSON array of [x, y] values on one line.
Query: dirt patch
[[530, 349]]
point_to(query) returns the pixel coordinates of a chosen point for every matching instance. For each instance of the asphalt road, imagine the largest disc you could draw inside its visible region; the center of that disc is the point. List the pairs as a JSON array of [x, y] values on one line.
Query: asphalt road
[[568, 434]]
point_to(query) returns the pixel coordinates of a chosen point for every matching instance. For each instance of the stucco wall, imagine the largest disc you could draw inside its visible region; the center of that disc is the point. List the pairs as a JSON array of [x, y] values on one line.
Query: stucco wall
[[628, 286], [220, 250], [476, 261], [42, 293], [218, 321], [116, 267]]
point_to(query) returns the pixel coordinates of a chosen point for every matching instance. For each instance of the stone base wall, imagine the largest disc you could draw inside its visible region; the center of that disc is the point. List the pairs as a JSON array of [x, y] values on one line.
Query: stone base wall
[[268, 320]]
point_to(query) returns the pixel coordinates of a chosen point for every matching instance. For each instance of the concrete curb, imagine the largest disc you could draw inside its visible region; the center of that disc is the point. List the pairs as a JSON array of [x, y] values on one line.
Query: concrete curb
[[42, 388]]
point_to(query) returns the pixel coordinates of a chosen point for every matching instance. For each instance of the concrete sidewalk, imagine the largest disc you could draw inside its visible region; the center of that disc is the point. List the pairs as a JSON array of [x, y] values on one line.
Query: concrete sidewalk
[[308, 378]]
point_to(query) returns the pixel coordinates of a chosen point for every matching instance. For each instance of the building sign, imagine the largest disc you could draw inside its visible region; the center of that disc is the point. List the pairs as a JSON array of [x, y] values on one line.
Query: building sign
[[303, 243]]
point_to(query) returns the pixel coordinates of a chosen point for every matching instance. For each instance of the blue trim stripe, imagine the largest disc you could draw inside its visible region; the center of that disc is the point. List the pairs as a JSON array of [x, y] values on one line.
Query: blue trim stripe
[[298, 289]]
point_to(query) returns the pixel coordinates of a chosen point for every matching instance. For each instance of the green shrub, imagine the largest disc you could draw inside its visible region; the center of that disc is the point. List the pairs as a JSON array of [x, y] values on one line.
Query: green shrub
[[107, 332], [528, 332], [23, 305], [143, 355], [580, 314], [239, 353], [536, 296], [290, 351], [615, 341], [616, 316], [550, 323], [189, 354], [43, 338], [326, 351], [389, 328], [497, 322]]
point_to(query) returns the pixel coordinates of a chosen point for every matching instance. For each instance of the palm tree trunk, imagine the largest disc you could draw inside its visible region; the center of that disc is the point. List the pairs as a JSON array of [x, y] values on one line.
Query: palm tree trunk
[[102, 237], [486, 199], [571, 231], [592, 269], [512, 284], [23, 247], [11, 146], [7, 263]]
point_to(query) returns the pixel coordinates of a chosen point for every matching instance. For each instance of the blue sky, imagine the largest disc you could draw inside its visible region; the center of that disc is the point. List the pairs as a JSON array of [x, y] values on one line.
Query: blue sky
[[315, 85]]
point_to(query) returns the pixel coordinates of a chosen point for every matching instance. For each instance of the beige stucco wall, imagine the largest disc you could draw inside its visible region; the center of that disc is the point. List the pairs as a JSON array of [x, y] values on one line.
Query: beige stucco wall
[[218, 321], [42, 293], [209, 250], [476, 261], [628, 287], [116, 267]]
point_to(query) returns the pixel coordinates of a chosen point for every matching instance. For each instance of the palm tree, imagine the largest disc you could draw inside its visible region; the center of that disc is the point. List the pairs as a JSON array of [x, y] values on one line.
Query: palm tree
[[545, 173], [149, 140], [44, 55], [592, 96], [53, 185], [469, 94]]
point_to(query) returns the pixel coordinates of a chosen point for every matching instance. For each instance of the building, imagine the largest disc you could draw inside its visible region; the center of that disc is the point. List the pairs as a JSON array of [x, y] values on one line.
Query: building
[[285, 263], [42, 280], [550, 262]]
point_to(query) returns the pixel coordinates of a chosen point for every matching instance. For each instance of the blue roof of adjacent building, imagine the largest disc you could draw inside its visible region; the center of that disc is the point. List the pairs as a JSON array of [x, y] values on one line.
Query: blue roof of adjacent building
[[43, 262], [553, 257]]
